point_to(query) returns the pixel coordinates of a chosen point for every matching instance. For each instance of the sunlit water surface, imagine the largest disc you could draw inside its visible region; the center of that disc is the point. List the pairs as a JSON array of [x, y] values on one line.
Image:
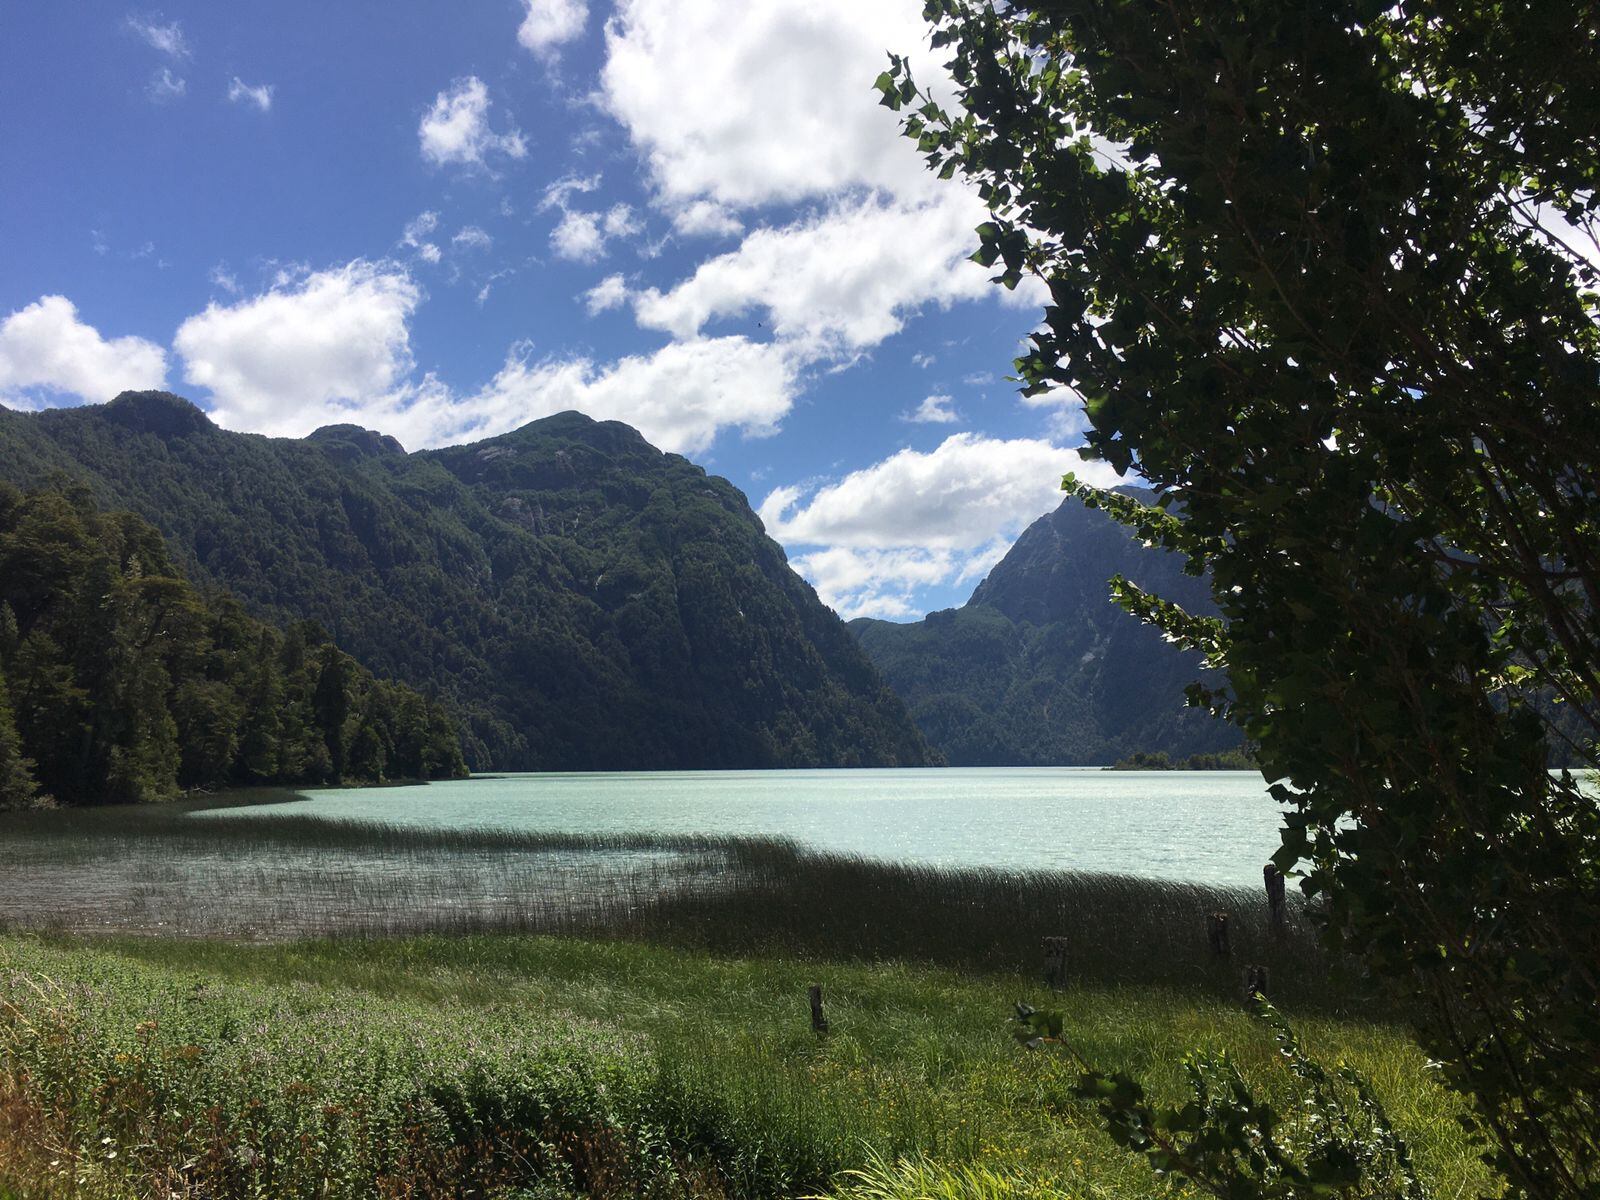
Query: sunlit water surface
[[1215, 827]]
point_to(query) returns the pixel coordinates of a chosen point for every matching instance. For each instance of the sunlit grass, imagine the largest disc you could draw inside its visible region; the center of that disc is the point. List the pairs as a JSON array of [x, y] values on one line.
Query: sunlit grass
[[502, 1013], [653, 1067]]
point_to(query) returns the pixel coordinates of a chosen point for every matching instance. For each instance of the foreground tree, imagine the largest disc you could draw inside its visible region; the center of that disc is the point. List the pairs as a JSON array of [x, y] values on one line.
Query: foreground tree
[[1324, 277]]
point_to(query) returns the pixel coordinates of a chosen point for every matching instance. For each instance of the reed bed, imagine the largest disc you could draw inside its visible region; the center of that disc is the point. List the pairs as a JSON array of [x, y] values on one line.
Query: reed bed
[[279, 877]]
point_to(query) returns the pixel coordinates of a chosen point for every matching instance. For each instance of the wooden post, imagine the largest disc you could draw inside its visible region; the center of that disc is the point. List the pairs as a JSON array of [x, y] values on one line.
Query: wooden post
[[1255, 985], [1055, 961], [819, 1023], [1217, 934], [1276, 904]]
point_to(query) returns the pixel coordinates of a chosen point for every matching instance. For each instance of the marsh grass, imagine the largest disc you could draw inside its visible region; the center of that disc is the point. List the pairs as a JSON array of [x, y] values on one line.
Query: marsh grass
[[162, 870], [272, 877]]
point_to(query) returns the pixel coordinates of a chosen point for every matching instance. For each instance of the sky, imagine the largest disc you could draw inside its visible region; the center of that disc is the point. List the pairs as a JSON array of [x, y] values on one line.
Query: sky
[[444, 220]]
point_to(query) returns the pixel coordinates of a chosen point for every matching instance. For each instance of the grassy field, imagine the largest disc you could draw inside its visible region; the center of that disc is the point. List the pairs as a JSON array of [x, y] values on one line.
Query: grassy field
[[540, 1066], [488, 1014]]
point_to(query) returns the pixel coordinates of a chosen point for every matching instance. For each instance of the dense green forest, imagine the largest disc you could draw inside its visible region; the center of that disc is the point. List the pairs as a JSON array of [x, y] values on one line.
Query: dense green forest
[[1041, 668], [576, 597], [120, 681]]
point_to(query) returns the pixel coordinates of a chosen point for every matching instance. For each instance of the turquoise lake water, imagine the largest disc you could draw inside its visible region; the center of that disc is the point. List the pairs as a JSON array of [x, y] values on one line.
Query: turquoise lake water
[[1215, 827]]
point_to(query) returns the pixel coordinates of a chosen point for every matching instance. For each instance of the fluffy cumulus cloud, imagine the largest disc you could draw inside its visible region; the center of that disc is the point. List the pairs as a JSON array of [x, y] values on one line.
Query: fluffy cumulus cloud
[[611, 292], [883, 583], [47, 352], [455, 129], [935, 410], [919, 518], [577, 237], [705, 218], [309, 351], [810, 128], [679, 397], [548, 23], [582, 235], [876, 238], [838, 282], [257, 96], [334, 346]]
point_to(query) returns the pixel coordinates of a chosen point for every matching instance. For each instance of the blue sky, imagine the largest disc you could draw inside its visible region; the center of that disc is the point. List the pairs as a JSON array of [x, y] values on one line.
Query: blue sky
[[445, 220]]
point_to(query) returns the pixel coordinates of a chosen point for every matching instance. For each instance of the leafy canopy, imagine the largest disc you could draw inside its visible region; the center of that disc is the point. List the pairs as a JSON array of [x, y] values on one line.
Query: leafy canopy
[[1324, 277]]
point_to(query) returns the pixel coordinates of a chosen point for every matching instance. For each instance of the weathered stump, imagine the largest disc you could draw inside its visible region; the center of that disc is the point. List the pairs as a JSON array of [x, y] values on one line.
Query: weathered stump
[[819, 1023], [1255, 985], [1055, 961], [1217, 934], [1277, 904]]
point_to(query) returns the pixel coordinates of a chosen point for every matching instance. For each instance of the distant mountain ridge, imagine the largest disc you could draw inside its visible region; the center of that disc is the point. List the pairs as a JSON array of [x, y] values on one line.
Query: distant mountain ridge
[[579, 598], [1040, 667]]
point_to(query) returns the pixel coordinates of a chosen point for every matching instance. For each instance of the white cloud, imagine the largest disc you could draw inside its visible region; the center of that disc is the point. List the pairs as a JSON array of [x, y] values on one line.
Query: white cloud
[[166, 39], [839, 281], [680, 397], [611, 292], [560, 193], [706, 218], [45, 346], [577, 237], [934, 410], [875, 583], [306, 352], [259, 95], [549, 23], [620, 222], [334, 346], [164, 86], [919, 519], [455, 130], [583, 236], [470, 237], [415, 236], [811, 126], [223, 278], [1064, 405]]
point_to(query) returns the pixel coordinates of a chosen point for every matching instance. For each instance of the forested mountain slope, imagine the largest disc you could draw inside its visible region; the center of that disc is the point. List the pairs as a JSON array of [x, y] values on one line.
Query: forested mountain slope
[[581, 599], [122, 682], [1040, 667]]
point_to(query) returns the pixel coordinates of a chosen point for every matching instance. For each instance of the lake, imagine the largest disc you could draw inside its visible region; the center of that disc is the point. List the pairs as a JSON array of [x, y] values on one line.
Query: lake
[[556, 851], [1211, 827]]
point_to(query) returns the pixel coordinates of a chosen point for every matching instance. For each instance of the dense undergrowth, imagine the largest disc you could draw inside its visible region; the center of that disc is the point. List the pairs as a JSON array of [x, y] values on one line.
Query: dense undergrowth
[[511, 1066]]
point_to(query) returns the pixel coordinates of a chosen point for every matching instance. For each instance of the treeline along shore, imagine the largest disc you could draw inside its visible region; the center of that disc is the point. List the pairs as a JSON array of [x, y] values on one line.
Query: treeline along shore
[[121, 681]]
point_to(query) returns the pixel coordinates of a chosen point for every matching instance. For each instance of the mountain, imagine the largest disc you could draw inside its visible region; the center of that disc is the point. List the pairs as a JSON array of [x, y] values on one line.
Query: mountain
[[579, 599], [120, 681], [1040, 667]]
